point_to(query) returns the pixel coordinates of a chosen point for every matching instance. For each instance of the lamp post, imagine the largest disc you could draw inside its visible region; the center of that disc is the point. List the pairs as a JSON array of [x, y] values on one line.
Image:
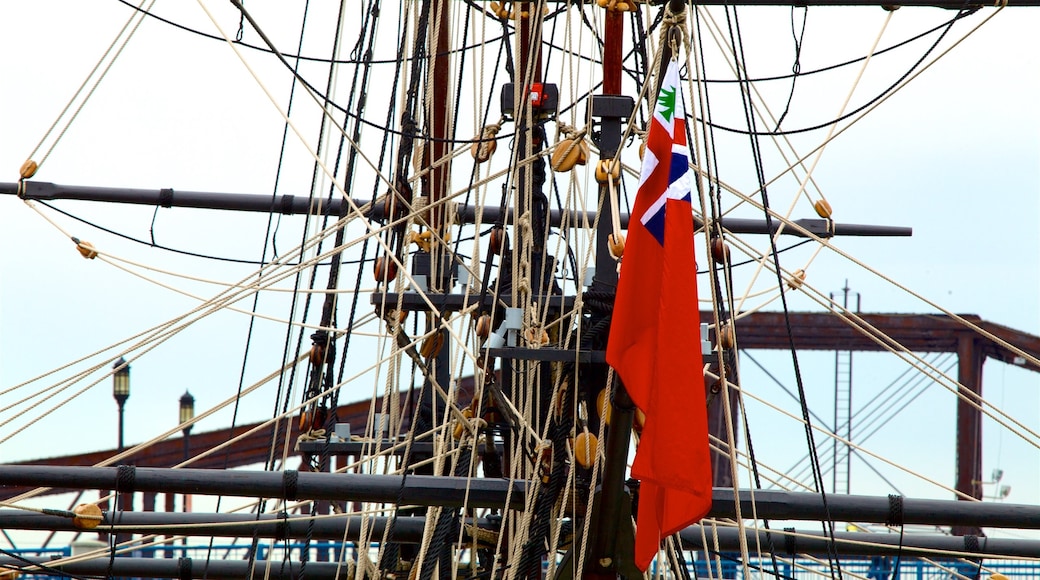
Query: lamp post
[[121, 390], [187, 413]]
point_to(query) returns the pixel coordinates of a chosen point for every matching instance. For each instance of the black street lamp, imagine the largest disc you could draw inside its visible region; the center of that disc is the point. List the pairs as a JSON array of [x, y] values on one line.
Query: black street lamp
[[121, 390], [187, 413]]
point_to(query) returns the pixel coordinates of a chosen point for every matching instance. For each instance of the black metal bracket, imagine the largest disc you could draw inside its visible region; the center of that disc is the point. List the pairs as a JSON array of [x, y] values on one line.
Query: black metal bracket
[[545, 99], [612, 110]]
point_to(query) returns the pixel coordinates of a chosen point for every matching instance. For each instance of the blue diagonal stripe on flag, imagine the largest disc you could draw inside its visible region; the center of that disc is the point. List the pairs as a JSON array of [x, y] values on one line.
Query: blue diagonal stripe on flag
[[678, 188]]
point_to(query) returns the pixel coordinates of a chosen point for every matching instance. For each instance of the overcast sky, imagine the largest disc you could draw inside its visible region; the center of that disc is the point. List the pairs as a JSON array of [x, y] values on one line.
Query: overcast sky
[[955, 155]]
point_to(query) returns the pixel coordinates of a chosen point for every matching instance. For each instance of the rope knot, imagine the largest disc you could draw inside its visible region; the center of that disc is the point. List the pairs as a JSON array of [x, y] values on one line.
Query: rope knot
[[485, 146]]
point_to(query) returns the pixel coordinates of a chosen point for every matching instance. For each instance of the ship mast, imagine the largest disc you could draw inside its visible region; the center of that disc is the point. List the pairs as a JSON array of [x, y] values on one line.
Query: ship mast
[[611, 543], [608, 549]]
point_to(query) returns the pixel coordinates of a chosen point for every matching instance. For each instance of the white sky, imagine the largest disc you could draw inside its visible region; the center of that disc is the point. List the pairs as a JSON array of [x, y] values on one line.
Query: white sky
[[956, 155]]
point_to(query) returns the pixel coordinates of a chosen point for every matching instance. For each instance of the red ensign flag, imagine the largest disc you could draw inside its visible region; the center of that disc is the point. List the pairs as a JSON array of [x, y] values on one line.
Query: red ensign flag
[[655, 334]]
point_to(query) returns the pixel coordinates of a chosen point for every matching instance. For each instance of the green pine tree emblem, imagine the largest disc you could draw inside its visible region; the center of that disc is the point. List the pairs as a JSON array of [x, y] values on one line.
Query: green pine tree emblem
[[666, 103]]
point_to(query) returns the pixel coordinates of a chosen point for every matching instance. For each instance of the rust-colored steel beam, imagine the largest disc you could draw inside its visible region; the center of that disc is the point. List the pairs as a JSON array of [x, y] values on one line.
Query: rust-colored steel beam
[[721, 473], [251, 450], [969, 424], [917, 332]]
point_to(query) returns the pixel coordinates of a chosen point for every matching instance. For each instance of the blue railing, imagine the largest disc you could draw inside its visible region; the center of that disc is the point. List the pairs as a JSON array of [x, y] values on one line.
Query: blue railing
[[876, 568]]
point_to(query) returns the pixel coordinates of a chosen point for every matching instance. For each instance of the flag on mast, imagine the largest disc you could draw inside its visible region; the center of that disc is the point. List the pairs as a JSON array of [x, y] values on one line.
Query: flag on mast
[[654, 342]]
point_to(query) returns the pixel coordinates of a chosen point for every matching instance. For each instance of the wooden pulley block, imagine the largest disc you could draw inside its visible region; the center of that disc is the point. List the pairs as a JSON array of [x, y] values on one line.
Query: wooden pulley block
[[499, 240], [88, 516], [607, 167], [317, 355], [393, 315], [640, 420], [484, 145], [459, 427], [569, 153], [585, 449], [483, 150], [318, 419], [536, 336], [312, 420], [431, 345], [719, 250], [823, 208], [385, 269], [483, 327], [86, 249], [603, 407], [389, 205], [616, 245], [394, 202], [28, 169], [727, 336]]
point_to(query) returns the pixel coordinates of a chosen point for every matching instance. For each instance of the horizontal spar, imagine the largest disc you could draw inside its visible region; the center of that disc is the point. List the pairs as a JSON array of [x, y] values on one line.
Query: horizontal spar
[[787, 505], [293, 205], [290, 485], [480, 492], [410, 529], [846, 544], [790, 542], [407, 529]]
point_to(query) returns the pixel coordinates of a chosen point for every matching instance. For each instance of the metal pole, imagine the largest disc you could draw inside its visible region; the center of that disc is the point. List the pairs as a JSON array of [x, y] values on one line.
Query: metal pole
[[853, 543], [298, 205], [407, 529], [120, 404], [452, 491], [410, 529]]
